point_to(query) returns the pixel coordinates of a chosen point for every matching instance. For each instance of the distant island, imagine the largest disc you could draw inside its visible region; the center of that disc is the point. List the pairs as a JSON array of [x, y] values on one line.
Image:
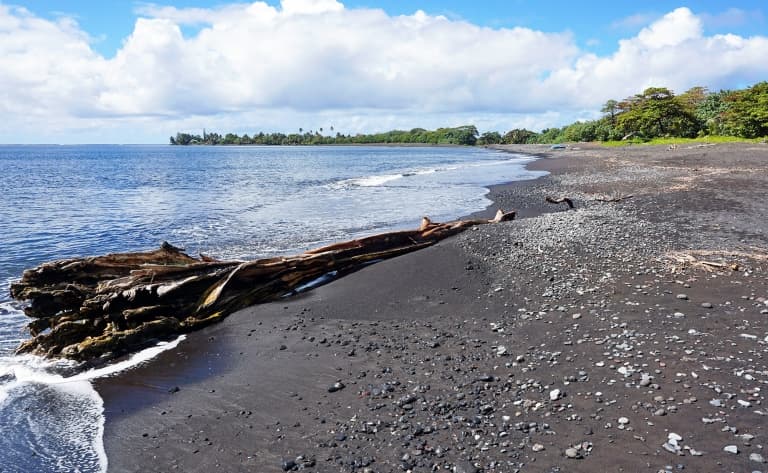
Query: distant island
[[655, 113]]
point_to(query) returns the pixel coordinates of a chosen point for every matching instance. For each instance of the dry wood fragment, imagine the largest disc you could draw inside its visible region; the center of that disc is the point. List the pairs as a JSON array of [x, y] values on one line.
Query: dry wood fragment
[[614, 198], [553, 200], [97, 308], [728, 259]]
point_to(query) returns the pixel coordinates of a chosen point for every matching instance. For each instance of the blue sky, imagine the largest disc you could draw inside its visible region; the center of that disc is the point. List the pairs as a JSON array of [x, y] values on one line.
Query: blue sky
[[123, 71], [596, 26]]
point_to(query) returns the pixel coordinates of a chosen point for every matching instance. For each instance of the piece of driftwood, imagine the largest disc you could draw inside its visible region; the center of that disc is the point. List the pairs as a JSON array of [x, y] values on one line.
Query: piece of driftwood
[[613, 198], [552, 200], [97, 308]]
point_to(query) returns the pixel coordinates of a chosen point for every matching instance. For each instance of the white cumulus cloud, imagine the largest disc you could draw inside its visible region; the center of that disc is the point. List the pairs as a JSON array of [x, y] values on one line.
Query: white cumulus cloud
[[363, 67]]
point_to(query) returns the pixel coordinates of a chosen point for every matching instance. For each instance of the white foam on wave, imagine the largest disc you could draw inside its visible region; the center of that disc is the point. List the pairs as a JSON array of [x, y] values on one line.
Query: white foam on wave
[[379, 180], [373, 181], [78, 423]]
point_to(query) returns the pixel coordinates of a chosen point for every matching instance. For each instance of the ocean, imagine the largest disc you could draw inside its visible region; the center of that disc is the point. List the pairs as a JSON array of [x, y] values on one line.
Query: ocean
[[227, 202]]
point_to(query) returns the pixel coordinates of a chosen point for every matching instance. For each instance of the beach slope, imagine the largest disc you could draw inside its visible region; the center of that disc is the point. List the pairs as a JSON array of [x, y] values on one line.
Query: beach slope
[[627, 334]]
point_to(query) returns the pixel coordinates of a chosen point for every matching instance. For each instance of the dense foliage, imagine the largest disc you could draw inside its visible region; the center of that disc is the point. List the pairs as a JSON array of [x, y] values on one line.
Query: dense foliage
[[658, 113], [655, 113], [463, 135]]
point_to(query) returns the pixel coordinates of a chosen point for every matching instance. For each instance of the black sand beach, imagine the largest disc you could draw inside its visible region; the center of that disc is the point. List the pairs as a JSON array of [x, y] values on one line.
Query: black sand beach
[[629, 334]]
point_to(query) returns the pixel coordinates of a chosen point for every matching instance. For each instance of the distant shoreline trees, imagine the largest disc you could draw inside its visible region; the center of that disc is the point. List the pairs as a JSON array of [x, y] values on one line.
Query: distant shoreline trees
[[462, 135], [655, 113]]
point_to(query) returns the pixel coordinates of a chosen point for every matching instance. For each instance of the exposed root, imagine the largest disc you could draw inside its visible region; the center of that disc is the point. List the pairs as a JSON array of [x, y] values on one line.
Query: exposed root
[[714, 260]]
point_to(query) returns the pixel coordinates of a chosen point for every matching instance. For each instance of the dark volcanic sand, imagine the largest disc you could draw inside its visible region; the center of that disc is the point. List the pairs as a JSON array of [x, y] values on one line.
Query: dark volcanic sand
[[502, 348]]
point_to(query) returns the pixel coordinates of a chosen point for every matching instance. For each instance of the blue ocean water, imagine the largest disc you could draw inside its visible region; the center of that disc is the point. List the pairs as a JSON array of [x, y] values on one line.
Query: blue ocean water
[[227, 202]]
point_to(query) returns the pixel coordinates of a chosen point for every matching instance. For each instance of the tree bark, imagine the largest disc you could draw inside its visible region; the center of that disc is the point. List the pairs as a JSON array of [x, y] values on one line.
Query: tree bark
[[97, 308]]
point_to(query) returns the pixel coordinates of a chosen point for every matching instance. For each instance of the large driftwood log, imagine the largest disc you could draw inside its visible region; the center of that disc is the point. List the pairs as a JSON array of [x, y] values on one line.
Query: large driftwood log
[[97, 308]]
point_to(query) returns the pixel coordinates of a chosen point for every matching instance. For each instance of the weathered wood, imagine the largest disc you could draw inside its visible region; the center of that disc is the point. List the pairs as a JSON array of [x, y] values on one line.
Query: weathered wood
[[97, 308], [552, 200]]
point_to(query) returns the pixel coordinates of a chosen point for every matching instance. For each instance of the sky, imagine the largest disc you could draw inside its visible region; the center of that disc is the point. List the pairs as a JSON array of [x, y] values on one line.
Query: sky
[[138, 72]]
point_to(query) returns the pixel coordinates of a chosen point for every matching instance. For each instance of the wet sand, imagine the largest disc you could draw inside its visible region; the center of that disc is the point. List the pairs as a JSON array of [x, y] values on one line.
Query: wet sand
[[579, 340]]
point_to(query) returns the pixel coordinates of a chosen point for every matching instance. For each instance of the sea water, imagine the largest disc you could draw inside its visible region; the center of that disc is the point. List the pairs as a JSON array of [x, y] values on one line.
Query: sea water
[[227, 202]]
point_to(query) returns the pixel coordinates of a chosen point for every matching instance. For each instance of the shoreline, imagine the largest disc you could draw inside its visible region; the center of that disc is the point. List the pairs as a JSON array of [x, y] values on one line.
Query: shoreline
[[186, 364], [518, 330]]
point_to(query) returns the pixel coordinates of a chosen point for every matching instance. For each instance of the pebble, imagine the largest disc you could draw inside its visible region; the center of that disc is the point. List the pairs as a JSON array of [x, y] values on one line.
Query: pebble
[[571, 453], [731, 449], [623, 421], [554, 395], [537, 447], [707, 305], [682, 297], [464, 467], [756, 457], [338, 386], [645, 380]]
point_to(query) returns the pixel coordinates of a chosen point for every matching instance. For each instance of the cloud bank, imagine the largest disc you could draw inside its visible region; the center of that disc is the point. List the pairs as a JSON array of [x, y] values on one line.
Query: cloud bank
[[264, 67]]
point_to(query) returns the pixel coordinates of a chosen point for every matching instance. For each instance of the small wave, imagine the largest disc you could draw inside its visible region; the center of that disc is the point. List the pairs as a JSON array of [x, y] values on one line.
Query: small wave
[[373, 181], [61, 418], [380, 180]]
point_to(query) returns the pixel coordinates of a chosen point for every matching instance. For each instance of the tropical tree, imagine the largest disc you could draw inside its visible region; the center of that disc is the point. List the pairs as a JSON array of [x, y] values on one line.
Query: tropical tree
[[656, 112], [746, 112], [611, 109], [519, 136], [490, 138]]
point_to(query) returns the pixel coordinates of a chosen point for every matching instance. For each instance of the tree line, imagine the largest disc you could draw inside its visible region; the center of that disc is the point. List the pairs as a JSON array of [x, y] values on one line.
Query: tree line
[[658, 113], [462, 135], [655, 113]]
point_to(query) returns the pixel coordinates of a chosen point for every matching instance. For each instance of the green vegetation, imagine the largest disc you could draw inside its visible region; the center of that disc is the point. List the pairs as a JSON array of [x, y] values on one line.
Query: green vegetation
[[462, 135], [656, 115], [713, 139]]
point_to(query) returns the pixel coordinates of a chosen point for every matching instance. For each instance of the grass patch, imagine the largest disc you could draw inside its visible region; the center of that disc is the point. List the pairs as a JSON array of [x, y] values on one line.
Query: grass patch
[[682, 141]]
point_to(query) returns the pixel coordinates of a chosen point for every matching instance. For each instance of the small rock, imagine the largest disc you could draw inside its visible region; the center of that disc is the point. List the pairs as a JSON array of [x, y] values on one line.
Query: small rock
[[756, 457], [501, 350], [682, 297], [464, 467], [645, 381], [576, 316], [537, 447], [731, 449], [554, 395], [572, 453], [707, 305], [338, 386], [288, 465]]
